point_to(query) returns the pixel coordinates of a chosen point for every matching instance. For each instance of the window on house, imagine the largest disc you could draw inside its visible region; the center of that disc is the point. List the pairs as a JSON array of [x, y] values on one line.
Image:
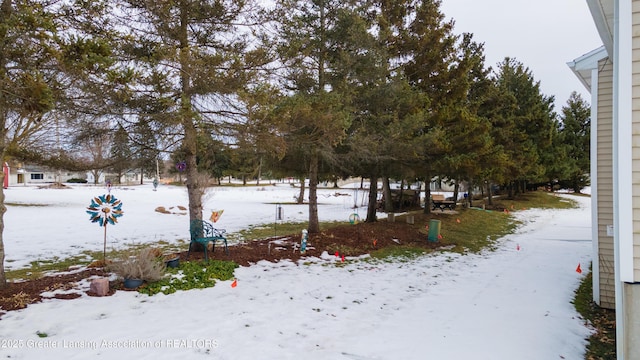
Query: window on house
[[37, 176]]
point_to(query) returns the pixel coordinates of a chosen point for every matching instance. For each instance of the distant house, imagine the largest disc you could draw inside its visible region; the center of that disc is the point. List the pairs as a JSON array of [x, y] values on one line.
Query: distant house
[[24, 174], [612, 75], [28, 174], [130, 177]]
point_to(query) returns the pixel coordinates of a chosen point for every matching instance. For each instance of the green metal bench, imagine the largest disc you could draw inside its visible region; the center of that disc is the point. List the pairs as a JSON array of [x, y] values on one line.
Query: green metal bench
[[202, 233]]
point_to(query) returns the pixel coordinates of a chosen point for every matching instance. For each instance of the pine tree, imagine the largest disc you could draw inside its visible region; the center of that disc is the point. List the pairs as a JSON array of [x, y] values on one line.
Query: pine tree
[[121, 154], [191, 58], [433, 56], [575, 133], [47, 66], [527, 125], [146, 150], [309, 46]]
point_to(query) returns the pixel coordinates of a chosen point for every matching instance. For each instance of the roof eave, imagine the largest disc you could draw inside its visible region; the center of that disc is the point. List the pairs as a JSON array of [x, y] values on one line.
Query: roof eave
[[583, 66], [602, 12]]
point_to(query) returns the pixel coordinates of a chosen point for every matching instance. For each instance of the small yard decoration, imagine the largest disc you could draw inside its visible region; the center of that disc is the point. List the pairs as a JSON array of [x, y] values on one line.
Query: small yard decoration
[[354, 218], [215, 215], [103, 210], [303, 241]]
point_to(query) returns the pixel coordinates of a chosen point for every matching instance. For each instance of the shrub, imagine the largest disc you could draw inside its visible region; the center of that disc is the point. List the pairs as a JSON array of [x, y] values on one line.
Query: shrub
[[142, 264], [77, 181]]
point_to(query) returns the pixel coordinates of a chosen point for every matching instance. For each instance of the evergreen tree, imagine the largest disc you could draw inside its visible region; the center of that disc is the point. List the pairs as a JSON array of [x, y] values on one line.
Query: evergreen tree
[[191, 58], [121, 154], [468, 131], [314, 111], [528, 124], [146, 150], [436, 71], [46, 63], [575, 133]]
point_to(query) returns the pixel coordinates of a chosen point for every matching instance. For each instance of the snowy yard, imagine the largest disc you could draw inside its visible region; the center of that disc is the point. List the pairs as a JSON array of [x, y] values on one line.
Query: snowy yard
[[511, 303]]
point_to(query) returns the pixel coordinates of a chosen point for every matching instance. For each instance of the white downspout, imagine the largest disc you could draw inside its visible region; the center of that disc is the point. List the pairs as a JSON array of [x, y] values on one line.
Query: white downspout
[[595, 262], [622, 164]]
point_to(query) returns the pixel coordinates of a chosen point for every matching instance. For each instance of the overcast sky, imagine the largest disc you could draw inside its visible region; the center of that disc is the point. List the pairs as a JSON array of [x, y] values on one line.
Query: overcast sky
[[542, 34]]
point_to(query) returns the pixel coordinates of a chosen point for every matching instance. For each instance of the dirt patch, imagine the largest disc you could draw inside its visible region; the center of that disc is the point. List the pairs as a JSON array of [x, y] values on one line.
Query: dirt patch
[[349, 240]]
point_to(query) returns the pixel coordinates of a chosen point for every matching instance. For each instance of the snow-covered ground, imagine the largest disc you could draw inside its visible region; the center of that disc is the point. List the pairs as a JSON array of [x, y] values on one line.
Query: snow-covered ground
[[511, 303]]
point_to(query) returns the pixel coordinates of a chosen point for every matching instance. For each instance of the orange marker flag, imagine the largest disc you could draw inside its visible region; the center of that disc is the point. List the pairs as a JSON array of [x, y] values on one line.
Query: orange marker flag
[[579, 269], [375, 242], [337, 254], [439, 237], [342, 258], [234, 283], [458, 221]]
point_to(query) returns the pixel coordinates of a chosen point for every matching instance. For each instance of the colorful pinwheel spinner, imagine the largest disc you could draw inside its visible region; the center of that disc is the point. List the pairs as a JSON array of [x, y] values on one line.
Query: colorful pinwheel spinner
[[105, 209]]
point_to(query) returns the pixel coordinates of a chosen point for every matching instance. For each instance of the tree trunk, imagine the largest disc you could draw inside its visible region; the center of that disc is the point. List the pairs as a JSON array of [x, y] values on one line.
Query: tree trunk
[[259, 171], [510, 191], [314, 224], [427, 193], [373, 199], [386, 193], [489, 193], [456, 190], [300, 199], [194, 188], [3, 209], [401, 195], [5, 11]]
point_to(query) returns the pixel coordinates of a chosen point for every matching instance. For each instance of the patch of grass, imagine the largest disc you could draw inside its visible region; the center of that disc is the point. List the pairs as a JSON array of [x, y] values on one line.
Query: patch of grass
[[602, 344], [534, 199], [38, 268], [474, 230], [394, 253], [25, 205], [191, 275]]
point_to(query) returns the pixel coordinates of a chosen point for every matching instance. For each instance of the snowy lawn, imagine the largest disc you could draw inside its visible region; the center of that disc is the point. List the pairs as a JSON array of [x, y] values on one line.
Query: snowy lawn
[[511, 303]]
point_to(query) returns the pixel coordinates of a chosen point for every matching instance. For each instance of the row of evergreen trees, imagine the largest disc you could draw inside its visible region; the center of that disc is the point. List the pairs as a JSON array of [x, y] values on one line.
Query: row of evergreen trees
[[315, 89]]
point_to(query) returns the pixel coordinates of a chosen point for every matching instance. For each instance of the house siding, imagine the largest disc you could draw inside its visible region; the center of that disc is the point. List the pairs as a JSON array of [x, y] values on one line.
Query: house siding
[[605, 184]]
